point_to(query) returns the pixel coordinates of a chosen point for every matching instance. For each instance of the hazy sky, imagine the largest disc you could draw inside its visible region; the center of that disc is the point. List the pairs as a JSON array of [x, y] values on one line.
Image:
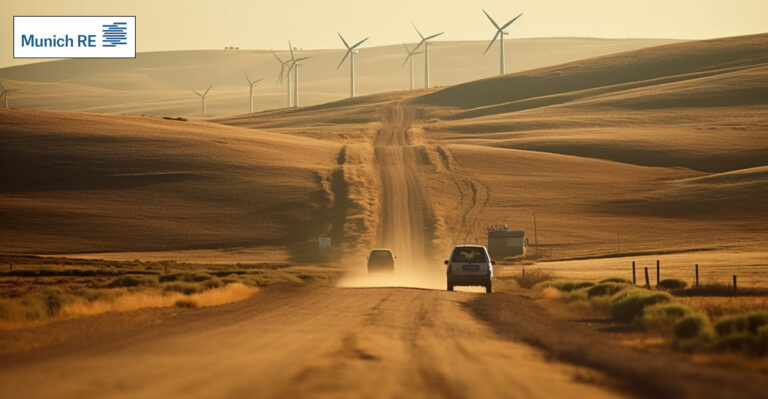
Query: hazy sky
[[258, 24]]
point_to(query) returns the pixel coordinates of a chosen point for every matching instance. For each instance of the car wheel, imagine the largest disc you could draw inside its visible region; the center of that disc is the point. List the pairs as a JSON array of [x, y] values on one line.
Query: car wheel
[[488, 287]]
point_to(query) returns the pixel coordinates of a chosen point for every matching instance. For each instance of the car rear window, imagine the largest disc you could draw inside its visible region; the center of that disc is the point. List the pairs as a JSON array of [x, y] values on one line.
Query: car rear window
[[468, 254], [381, 254]]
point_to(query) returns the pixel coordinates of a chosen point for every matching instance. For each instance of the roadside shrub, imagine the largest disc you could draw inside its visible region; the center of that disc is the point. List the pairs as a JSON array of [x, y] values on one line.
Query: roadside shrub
[[184, 288], [533, 277], [563, 285], [616, 280], [672, 284], [606, 288], [212, 283], [663, 316], [132, 280], [691, 326], [741, 323], [629, 303]]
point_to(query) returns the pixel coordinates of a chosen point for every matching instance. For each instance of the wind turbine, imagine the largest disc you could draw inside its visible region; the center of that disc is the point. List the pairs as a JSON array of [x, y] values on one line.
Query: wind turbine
[[351, 51], [286, 73], [295, 65], [500, 33], [202, 96], [425, 41], [4, 93], [252, 83], [409, 59]]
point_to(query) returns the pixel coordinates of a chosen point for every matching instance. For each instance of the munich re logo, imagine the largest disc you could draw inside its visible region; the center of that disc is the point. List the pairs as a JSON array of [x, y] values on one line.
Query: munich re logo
[[115, 34], [74, 37]]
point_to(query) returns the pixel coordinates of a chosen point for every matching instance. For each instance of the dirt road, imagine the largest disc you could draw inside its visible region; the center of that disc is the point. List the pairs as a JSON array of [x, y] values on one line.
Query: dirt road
[[295, 342], [401, 225]]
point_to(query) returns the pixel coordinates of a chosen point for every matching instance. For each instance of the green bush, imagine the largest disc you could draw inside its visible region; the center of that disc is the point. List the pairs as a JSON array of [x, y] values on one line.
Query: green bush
[[691, 326], [629, 303], [132, 280], [606, 288], [663, 316], [563, 285], [672, 284], [741, 323]]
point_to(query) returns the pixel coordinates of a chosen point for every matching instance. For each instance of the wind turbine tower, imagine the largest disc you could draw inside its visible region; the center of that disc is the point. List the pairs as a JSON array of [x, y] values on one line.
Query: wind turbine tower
[[295, 65], [287, 73], [500, 34], [409, 59], [4, 93], [351, 51], [202, 96], [425, 42], [252, 83]]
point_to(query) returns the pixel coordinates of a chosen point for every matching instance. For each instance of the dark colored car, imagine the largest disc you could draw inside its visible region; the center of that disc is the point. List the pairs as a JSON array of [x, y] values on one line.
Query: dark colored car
[[469, 265], [381, 260]]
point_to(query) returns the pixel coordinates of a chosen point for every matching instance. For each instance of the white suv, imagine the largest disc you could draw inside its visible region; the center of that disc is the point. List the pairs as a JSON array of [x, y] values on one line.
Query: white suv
[[470, 265]]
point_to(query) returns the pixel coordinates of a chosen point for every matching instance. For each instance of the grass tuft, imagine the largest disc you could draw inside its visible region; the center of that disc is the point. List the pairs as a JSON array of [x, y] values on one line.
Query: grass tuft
[[606, 288], [629, 303], [691, 326], [563, 285]]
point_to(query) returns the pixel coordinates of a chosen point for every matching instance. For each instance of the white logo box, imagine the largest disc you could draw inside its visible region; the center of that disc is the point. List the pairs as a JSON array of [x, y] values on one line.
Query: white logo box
[[74, 37]]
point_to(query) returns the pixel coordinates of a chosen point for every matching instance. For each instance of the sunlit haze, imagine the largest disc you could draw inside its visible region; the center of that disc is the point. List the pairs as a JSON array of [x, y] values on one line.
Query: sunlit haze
[[195, 24]]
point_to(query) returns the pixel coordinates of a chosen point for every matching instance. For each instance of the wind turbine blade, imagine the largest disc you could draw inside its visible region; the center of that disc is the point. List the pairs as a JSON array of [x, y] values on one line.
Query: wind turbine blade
[[282, 71], [359, 43], [207, 90], [417, 46], [193, 91], [302, 59], [492, 21], [258, 80], [417, 31], [433, 36], [511, 20], [343, 41], [407, 50], [278, 58], [247, 78], [291, 48], [343, 58], [2, 87], [492, 40]]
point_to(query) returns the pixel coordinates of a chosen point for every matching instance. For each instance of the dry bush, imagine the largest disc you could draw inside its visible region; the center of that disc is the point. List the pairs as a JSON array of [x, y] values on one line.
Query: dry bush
[[533, 277]]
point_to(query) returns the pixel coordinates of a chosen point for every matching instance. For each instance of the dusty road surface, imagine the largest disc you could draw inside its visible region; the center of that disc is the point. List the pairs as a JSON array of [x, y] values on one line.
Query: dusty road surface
[[290, 342], [401, 224]]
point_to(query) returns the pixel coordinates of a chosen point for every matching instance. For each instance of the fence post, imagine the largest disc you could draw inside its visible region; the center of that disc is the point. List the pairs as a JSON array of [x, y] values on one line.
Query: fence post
[[634, 278], [697, 275], [657, 272], [647, 283], [735, 289]]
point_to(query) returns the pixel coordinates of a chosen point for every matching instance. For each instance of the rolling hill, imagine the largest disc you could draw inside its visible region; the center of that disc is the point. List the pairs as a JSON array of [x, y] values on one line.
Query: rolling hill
[[160, 83]]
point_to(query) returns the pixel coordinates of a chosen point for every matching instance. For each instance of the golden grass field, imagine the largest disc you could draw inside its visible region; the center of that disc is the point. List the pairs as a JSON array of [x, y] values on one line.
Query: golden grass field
[[624, 151]]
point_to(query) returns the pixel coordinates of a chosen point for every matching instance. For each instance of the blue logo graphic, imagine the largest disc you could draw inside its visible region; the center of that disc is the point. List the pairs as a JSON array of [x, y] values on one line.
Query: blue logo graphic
[[114, 34]]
